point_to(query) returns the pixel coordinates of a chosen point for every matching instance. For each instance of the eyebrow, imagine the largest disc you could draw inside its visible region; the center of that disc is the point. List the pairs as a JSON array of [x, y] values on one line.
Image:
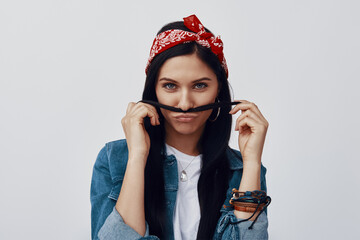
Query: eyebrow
[[197, 80]]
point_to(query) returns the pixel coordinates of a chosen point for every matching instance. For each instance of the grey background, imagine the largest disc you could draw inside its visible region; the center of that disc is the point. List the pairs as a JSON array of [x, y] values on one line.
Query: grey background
[[69, 68]]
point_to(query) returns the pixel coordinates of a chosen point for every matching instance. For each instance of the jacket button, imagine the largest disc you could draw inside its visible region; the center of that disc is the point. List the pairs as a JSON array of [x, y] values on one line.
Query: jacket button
[[171, 162]]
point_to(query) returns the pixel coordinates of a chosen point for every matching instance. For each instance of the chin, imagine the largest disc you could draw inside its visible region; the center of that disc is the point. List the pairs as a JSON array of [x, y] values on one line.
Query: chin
[[186, 128]]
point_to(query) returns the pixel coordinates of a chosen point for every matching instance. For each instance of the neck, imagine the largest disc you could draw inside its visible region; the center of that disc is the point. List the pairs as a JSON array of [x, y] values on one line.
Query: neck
[[186, 143]]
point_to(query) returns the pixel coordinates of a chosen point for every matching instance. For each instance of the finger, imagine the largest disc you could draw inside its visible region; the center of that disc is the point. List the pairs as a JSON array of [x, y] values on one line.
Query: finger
[[247, 123], [156, 115], [248, 106], [253, 124], [143, 111], [244, 105], [241, 122], [243, 115], [130, 107], [238, 106], [152, 109], [251, 114]]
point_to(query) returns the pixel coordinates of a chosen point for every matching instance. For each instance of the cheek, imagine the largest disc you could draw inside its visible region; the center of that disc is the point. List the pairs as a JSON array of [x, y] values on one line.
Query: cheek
[[158, 93], [163, 98], [166, 98], [165, 114], [206, 114]]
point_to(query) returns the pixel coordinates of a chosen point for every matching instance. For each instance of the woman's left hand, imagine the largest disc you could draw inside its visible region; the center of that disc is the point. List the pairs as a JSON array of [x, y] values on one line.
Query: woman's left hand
[[252, 127]]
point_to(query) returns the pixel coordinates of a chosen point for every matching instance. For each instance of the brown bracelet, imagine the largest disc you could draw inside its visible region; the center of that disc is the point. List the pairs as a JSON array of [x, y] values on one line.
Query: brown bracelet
[[250, 201], [246, 209], [246, 204]]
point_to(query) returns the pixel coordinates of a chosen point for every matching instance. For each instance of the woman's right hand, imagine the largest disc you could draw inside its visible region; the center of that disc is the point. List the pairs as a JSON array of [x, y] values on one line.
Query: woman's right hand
[[137, 138]]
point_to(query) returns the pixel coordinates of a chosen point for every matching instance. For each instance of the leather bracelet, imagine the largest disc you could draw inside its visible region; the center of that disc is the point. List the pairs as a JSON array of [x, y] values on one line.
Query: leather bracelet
[[257, 194], [246, 209], [249, 201], [245, 204]]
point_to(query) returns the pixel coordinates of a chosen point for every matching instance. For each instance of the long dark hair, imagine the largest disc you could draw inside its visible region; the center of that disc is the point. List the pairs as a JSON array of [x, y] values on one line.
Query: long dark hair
[[215, 173]]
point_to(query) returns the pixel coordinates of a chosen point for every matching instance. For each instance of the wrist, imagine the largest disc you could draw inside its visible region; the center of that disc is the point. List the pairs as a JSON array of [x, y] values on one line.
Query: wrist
[[138, 153], [253, 165], [137, 161], [250, 179]]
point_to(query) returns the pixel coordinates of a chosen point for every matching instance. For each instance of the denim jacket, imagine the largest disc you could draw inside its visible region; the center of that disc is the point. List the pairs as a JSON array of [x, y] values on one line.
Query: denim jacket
[[108, 174]]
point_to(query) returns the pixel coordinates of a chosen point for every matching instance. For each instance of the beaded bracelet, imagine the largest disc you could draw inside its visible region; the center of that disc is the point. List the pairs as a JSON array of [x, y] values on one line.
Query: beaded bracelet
[[249, 196], [250, 201]]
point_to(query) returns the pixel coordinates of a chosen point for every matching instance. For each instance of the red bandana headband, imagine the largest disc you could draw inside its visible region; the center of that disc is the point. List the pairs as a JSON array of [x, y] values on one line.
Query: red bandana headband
[[173, 37]]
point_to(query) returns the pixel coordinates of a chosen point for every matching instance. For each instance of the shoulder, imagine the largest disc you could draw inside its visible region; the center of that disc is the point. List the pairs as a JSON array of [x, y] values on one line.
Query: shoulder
[[236, 166], [117, 149], [236, 160], [115, 155]]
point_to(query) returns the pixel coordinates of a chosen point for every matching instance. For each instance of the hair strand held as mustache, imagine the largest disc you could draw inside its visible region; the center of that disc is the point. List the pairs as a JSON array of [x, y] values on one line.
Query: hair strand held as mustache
[[197, 109]]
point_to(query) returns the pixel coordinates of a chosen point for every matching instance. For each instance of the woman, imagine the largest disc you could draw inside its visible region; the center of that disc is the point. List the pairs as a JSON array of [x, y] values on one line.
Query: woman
[[173, 173]]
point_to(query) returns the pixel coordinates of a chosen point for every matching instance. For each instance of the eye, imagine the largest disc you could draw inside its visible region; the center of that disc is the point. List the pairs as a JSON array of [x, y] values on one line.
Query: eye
[[169, 86], [200, 85]]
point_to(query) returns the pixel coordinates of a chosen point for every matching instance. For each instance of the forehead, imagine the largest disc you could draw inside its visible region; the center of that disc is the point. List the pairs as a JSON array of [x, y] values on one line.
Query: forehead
[[186, 68]]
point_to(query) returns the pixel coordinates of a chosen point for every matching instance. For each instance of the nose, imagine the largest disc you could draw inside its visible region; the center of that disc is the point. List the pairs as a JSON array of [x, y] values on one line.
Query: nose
[[185, 101]]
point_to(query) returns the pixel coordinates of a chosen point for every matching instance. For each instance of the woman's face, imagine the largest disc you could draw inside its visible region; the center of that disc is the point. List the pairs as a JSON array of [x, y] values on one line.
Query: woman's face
[[186, 82]]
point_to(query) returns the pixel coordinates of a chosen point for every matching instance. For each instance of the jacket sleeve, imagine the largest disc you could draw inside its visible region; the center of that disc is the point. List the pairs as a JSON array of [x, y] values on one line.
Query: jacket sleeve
[[231, 227], [106, 222]]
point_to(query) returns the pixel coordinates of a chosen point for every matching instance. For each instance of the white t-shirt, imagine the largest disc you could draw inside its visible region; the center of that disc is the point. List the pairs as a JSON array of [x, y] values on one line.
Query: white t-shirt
[[187, 208]]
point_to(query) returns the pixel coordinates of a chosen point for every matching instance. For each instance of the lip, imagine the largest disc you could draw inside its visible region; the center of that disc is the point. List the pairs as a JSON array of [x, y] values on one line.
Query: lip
[[185, 117]]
